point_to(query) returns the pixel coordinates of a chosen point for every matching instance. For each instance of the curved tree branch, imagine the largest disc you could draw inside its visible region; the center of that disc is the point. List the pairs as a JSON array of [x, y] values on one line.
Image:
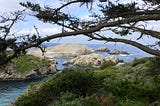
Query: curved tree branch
[[88, 32], [97, 28], [152, 33], [130, 42], [58, 9]]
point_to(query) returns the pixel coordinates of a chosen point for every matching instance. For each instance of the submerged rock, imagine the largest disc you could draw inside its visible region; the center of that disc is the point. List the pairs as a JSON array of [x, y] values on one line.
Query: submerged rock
[[92, 60], [103, 49], [63, 50]]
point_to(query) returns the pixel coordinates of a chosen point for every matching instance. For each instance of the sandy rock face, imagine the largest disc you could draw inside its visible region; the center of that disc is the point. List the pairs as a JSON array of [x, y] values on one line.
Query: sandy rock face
[[63, 50], [92, 60]]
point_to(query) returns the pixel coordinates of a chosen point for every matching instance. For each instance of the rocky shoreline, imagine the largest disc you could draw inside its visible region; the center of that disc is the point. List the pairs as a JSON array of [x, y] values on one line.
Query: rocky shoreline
[[80, 55], [10, 72], [33, 74]]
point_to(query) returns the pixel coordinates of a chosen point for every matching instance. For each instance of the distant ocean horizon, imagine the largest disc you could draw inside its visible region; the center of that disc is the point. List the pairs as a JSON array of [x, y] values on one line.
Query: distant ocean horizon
[[10, 90]]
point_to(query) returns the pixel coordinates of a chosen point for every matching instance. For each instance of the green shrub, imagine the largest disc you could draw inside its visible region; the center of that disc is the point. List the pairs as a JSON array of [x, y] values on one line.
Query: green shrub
[[107, 64], [140, 61], [77, 81], [26, 63], [128, 102], [153, 65], [70, 99], [76, 87], [134, 91]]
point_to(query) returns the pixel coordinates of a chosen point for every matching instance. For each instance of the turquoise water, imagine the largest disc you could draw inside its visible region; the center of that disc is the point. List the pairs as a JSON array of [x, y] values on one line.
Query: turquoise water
[[10, 90]]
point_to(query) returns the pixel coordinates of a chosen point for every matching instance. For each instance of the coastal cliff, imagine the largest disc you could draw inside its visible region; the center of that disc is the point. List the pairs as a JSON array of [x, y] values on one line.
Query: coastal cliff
[[26, 67], [132, 84]]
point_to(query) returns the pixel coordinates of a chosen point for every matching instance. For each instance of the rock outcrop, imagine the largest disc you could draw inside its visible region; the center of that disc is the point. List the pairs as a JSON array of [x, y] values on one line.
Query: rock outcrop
[[119, 52], [91, 60], [10, 73], [63, 50], [103, 49]]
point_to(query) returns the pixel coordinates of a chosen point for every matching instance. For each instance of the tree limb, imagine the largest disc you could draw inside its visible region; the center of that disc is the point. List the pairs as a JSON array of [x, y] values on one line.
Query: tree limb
[[88, 32], [152, 33]]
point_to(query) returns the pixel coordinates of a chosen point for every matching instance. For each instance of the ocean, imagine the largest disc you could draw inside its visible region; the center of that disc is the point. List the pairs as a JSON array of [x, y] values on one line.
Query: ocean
[[10, 90], [133, 52]]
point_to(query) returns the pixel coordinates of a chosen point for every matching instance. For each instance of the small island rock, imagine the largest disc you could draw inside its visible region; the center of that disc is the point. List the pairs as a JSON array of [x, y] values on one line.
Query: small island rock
[[92, 60], [119, 52], [103, 49], [63, 50]]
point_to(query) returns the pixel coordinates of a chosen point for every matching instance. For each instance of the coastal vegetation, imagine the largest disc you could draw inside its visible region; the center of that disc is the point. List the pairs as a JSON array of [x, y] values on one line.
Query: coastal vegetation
[[26, 63], [25, 67], [135, 83]]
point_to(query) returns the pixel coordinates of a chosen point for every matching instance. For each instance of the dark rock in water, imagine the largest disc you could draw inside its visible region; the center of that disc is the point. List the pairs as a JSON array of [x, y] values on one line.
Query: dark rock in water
[[121, 61], [119, 52]]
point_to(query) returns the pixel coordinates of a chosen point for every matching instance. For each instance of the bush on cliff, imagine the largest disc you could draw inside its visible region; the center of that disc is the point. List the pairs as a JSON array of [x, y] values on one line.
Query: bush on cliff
[[77, 81], [25, 63]]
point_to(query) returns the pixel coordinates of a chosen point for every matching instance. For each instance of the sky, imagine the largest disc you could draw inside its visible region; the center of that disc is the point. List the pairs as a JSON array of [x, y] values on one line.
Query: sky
[[6, 6], [44, 29]]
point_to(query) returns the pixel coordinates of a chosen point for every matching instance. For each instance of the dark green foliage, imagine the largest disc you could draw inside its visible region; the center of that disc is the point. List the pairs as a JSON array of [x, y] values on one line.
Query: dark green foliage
[[137, 90], [77, 81], [107, 64], [46, 14], [4, 44], [139, 61], [83, 87], [34, 7], [153, 2], [128, 102], [81, 82], [134, 90], [25, 63], [153, 66], [119, 10], [70, 99]]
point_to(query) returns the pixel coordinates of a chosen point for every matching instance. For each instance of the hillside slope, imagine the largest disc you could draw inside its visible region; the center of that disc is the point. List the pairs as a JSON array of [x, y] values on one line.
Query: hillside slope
[[133, 84]]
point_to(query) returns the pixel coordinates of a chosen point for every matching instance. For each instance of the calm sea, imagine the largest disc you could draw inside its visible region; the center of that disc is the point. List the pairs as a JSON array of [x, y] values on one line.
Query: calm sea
[[10, 90], [133, 51]]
